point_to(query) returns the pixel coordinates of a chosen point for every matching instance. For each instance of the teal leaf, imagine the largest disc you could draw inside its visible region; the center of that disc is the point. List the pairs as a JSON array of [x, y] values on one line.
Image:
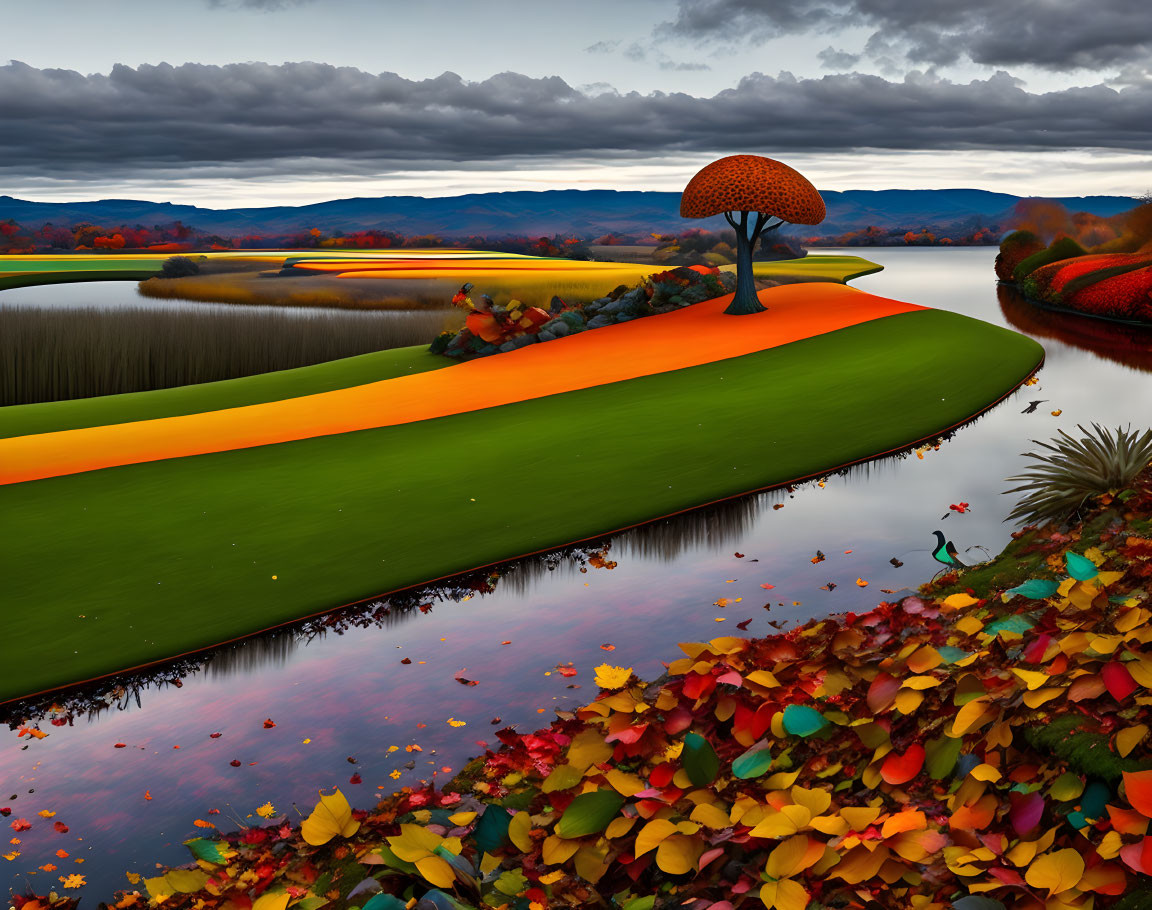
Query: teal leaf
[[800, 720], [752, 763], [378, 902], [491, 832], [1080, 567], [589, 813], [699, 759], [1035, 588], [1017, 624], [951, 655]]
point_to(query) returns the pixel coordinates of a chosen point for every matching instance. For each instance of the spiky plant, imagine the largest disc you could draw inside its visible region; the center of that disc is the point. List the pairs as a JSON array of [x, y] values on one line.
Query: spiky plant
[[1103, 461]]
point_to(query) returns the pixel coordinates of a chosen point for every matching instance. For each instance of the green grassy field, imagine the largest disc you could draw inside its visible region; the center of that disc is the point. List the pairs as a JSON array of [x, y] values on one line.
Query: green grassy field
[[24, 420], [115, 568]]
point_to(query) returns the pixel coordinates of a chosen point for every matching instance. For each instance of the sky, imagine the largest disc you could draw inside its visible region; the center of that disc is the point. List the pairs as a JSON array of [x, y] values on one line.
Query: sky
[[263, 102]]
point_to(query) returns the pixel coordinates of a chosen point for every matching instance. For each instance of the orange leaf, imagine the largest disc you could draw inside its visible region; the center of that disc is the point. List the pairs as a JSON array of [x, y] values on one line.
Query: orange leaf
[[1138, 790]]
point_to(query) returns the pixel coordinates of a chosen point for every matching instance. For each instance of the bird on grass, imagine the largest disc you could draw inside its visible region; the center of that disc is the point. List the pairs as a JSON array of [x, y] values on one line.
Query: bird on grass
[[945, 552]]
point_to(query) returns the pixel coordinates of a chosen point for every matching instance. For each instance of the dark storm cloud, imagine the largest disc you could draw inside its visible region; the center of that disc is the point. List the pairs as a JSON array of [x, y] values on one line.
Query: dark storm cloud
[[1053, 34], [306, 117]]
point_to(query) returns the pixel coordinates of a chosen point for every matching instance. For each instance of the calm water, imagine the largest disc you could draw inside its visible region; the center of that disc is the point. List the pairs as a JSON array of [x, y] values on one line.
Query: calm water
[[345, 694], [111, 295]]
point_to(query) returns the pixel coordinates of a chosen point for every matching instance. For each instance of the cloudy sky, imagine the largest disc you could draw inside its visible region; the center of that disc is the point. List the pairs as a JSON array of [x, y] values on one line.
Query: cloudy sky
[[255, 102]]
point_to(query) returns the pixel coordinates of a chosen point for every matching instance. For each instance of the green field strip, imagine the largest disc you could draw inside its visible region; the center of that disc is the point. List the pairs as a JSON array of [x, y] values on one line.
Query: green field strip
[[115, 568], [48, 417]]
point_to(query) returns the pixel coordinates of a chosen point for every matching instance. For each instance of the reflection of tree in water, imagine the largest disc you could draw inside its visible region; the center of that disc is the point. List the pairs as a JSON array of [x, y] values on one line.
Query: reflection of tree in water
[[721, 524], [1119, 342]]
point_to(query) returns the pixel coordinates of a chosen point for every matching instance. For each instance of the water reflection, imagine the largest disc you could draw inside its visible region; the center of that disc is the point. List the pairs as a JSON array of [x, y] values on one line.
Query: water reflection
[[708, 528], [1119, 342]]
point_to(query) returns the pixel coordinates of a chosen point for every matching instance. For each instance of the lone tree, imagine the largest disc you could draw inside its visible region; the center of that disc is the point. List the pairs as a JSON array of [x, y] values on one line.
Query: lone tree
[[744, 185]]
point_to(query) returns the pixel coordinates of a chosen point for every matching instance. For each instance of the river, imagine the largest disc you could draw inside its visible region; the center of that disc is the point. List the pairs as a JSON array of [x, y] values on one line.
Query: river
[[341, 697]]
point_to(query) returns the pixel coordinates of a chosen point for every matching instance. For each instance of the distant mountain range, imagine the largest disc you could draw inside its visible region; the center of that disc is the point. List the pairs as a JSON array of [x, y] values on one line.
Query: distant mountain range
[[581, 212]]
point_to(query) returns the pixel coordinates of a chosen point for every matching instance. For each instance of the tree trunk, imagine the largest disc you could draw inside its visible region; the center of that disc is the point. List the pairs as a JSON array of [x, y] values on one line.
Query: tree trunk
[[745, 302]]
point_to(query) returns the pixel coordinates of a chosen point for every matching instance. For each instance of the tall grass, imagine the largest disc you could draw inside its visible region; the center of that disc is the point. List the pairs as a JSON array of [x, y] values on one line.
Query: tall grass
[[53, 354]]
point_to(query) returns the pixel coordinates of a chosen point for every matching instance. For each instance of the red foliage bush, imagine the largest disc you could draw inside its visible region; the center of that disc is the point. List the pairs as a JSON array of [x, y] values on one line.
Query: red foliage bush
[[1127, 296], [1051, 279]]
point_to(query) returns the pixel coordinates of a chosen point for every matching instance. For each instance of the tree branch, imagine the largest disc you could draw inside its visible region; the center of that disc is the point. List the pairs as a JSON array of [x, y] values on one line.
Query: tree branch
[[732, 221]]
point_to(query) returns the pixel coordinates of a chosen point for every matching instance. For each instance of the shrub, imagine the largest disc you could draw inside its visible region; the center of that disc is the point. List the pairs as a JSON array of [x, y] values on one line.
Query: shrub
[[179, 267], [1014, 249], [1078, 470], [1061, 248], [1127, 295]]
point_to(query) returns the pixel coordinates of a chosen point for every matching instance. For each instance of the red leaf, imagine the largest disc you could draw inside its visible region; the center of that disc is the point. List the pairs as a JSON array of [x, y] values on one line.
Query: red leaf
[[899, 769], [60, 827], [1118, 680]]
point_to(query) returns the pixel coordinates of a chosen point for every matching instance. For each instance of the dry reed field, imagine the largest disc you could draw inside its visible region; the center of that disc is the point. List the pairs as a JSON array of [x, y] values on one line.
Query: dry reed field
[[51, 354]]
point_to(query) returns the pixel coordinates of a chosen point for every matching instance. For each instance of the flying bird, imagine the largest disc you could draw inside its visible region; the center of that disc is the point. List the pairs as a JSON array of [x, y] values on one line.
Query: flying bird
[[1033, 405], [945, 552]]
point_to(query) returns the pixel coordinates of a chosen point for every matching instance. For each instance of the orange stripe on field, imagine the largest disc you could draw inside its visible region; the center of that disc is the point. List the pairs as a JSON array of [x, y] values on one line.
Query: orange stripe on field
[[689, 337]]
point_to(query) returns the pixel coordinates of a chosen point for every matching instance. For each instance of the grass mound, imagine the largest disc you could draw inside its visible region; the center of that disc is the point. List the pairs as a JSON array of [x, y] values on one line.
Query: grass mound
[[180, 554]]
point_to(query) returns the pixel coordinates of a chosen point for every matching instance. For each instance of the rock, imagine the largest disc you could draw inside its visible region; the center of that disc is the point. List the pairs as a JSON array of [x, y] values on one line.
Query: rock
[[616, 306], [522, 341], [545, 336], [560, 329], [600, 321], [625, 317], [617, 291]]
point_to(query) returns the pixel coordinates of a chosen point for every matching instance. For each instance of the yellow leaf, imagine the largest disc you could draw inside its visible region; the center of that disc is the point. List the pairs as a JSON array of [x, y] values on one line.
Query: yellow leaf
[[710, 816], [413, 842], [588, 749], [591, 862], [791, 857], [986, 772], [815, 801], [1126, 740], [1057, 871], [619, 826], [436, 871], [969, 625], [788, 820], [266, 811], [556, 849], [959, 601], [268, 901], [908, 700], [970, 717], [784, 895], [461, 818], [331, 817], [652, 835], [920, 682], [518, 830], [186, 881], [489, 863], [1040, 696], [624, 783], [859, 817], [609, 677], [762, 678], [1032, 679], [678, 854]]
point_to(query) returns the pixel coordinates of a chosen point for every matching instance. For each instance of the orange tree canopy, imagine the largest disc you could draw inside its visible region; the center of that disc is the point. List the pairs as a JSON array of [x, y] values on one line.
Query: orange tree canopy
[[751, 183]]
